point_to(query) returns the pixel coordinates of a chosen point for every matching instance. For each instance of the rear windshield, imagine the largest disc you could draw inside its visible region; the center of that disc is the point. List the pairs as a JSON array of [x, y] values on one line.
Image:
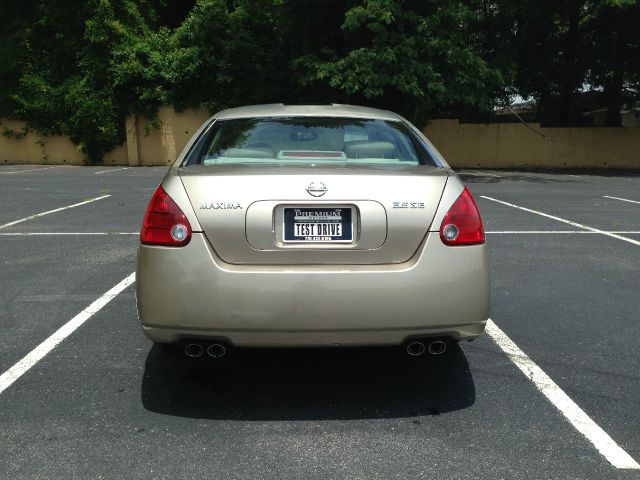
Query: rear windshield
[[308, 140]]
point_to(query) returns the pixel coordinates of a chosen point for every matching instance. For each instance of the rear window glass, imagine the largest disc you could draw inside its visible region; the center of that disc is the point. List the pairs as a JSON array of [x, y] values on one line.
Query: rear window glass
[[308, 140]]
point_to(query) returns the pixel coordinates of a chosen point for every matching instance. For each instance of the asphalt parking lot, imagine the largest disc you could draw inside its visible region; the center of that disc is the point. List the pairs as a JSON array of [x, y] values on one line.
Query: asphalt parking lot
[[99, 401]]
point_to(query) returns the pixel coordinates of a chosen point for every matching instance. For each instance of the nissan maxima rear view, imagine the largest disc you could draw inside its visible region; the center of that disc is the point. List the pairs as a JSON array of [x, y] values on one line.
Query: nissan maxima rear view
[[311, 226]]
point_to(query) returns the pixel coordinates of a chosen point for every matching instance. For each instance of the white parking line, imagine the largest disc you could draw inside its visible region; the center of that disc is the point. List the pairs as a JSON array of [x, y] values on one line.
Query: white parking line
[[110, 170], [37, 234], [25, 171], [31, 217], [571, 411], [563, 220], [621, 199], [38, 353]]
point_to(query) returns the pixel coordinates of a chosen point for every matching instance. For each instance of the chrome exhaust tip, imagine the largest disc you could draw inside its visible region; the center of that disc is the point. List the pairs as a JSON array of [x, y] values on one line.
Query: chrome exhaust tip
[[415, 348], [437, 347], [193, 350], [216, 350]]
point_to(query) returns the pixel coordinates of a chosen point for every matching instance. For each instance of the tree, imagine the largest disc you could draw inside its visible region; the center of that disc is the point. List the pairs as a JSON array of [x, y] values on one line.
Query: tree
[[415, 57], [615, 59], [228, 54], [78, 68], [561, 49]]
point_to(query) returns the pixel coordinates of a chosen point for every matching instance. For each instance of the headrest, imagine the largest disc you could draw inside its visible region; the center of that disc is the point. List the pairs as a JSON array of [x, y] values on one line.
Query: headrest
[[253, 152], [366, 149]]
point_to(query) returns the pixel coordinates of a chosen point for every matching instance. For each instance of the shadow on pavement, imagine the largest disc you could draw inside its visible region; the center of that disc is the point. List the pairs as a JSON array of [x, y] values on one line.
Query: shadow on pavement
[[307, 384]]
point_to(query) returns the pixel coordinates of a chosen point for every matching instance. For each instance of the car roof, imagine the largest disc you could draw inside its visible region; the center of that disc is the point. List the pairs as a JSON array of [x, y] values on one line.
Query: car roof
[[282, 110]]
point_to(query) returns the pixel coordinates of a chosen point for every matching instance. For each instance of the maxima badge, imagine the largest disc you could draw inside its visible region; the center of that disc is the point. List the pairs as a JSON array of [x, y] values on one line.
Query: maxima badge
[[317, 189]]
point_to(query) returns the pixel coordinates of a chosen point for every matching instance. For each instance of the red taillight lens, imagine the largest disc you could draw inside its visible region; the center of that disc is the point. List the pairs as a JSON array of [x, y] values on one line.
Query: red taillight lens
[[462, 224], [164, 223]]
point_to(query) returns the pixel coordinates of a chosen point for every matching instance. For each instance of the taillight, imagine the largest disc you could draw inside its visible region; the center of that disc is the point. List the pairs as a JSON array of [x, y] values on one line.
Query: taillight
[[164, 223], [462, 224]]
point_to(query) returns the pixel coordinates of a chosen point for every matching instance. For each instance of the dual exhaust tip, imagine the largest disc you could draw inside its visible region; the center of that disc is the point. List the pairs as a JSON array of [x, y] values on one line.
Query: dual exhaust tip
[[416, 348], [214, 350]]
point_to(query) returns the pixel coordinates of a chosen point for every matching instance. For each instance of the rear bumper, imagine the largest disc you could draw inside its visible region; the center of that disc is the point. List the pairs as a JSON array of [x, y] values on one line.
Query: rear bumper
[[189, 292]]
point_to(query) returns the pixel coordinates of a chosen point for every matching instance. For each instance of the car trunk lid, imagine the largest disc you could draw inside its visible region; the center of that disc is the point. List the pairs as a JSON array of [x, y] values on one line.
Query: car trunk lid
[[304, 215]]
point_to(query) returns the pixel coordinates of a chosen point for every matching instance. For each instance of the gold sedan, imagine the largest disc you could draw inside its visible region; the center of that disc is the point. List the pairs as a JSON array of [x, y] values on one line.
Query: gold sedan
[[311, 226]]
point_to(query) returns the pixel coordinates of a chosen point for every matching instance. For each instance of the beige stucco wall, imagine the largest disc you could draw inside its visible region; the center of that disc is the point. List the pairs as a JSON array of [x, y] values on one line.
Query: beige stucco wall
[[37, 149], [34, 148], [162, 145], [147, 143], [513, 145], [507, 145]]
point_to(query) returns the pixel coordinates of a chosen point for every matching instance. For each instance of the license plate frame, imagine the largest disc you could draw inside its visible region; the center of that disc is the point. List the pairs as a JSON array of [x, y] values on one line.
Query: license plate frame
[[324, 224]]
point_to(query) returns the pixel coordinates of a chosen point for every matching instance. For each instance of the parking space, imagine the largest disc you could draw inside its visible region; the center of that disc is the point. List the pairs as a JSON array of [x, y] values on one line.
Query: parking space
[[105, 404], [572, 298], [34, 192], [47, 280]]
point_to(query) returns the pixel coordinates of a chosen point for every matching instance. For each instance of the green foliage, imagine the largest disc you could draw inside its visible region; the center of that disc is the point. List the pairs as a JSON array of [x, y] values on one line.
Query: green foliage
[[415, 57], [80, 67], [228, 54], [558, 49]]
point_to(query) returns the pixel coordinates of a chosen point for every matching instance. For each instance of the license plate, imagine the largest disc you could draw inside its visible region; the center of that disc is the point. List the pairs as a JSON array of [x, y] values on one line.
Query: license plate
[[320, 224]]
